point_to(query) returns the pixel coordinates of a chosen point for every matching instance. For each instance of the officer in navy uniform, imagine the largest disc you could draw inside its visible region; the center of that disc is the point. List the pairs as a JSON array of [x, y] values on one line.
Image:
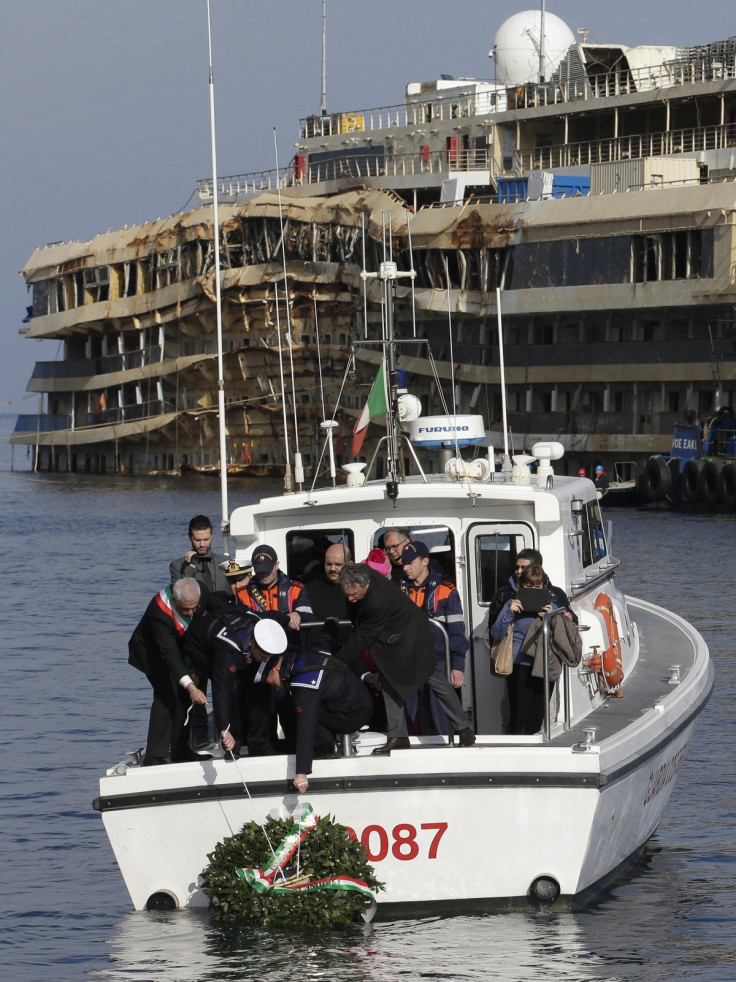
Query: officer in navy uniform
[[222, 644], [328, 697]]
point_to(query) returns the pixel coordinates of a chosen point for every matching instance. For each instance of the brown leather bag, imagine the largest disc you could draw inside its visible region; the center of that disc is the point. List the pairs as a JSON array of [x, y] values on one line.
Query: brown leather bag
[[502, 653]]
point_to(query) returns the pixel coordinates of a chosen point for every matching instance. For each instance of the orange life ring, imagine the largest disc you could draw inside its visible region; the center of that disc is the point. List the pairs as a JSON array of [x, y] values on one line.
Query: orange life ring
[[613, 669]]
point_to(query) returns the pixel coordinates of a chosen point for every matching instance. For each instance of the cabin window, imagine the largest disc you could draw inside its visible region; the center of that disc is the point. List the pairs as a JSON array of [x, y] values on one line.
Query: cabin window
[[494, 561], [305, 552], [593, 538]]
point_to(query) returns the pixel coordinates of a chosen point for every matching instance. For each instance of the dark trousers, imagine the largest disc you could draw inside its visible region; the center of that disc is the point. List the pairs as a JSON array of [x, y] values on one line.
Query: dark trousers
[[446, 696], [526, 701], [167, 734], [332, 721]]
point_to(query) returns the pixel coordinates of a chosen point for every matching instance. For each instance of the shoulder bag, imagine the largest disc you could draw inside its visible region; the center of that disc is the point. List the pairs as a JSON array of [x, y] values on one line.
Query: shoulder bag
[[502, 652]]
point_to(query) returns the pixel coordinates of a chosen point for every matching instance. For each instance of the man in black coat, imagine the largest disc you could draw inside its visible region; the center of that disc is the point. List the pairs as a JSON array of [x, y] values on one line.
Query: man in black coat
[[399, 637], [156, 648], [325, 594]]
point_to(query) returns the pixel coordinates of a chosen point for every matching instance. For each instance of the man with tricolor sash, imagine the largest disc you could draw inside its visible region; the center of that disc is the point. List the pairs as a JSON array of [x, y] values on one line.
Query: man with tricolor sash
[[156, 648]]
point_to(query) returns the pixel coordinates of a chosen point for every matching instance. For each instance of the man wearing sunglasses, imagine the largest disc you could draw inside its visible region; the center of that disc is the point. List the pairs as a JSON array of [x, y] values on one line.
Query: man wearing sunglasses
[[524, 558]]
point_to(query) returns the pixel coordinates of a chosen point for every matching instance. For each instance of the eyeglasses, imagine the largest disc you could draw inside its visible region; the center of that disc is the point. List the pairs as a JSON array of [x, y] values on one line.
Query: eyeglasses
[[397, 545], [521, 566]]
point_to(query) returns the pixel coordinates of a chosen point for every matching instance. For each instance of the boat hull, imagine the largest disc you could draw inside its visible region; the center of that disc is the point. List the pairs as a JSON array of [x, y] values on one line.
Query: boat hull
[[440, 824]]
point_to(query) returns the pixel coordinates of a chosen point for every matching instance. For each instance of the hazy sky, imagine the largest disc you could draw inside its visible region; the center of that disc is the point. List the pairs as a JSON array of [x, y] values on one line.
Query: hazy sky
[[105, 105]]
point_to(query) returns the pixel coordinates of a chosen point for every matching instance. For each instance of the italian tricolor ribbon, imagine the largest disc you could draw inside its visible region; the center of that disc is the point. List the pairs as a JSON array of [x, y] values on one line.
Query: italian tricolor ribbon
[[262, 880]]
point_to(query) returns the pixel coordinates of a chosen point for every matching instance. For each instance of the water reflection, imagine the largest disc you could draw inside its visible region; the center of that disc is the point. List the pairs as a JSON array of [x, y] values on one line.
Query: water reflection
[[600, 944]]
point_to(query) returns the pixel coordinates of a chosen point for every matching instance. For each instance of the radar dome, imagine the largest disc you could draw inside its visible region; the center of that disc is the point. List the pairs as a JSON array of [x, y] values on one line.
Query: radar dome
[[516, 46]]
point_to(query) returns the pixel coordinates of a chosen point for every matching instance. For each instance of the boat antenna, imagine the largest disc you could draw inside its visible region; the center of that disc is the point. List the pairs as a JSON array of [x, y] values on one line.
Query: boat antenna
[[323, 103], [506, 467], [298, 468], [288, 483], [329, 425], [225, 523], [452, 359]]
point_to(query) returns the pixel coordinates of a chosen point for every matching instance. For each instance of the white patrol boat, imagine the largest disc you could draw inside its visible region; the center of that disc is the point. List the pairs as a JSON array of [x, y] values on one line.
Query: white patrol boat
[[548, 818]]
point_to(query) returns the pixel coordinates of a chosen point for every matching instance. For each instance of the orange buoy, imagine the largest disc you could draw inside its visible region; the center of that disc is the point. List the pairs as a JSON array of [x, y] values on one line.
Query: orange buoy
[[613, 669]]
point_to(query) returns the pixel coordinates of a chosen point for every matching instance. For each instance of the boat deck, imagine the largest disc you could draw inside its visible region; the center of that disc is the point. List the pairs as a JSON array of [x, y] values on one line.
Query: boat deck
[[665, 642]]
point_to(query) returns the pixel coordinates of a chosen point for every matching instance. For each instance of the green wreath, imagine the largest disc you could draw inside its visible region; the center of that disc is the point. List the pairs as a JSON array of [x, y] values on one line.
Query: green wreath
[[327, 851]]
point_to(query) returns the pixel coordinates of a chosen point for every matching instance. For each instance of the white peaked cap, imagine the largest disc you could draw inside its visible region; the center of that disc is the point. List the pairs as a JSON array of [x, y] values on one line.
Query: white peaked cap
[[270, 637]]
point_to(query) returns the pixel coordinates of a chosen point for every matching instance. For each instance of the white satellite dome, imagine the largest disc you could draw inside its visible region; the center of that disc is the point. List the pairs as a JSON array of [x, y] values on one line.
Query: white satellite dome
[[516, 46]]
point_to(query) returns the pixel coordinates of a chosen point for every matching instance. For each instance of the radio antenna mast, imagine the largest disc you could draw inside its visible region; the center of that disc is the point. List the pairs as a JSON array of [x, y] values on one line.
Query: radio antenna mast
[[323, 103], [218, 296]]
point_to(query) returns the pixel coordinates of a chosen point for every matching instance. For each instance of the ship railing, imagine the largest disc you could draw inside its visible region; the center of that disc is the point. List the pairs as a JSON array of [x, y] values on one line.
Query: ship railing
[[458, 105], [41, 423], [254, 182], [360, 165], [660, 144], [395, 166], [97, 366], [497, 98], [128, 413]]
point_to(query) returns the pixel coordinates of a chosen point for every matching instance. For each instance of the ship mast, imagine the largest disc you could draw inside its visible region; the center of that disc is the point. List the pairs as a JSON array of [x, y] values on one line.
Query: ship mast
[[541, 45], [225, 524], [323, 103]]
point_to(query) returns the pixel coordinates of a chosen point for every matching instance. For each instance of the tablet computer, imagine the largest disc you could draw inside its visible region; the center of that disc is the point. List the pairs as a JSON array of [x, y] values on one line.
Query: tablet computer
[[533, 599]]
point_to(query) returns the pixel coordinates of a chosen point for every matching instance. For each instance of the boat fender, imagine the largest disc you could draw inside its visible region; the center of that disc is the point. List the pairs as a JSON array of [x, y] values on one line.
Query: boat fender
[[613, 669], [727, 486], [708, 483], [675, 468], [656, 480], [691, 479]]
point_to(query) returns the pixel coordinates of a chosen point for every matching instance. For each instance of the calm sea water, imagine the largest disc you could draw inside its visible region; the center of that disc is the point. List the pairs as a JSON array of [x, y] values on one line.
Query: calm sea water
[[83, 556]]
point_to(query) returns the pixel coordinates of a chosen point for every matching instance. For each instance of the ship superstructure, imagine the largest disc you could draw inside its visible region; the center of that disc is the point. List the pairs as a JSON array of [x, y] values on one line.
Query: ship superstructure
[[595, 198]]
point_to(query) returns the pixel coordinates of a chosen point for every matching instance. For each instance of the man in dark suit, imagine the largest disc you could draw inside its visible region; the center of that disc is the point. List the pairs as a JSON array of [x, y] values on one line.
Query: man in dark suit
[[399, 637], [156, 648], [325, 595], [201, 563]]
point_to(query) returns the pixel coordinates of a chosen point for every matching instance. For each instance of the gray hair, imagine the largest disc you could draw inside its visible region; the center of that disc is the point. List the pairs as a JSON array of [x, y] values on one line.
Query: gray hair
[[186, 585], [354, 574]]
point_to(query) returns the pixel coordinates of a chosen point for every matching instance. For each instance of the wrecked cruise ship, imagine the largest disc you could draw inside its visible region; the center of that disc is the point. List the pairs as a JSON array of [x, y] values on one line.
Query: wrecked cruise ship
[[591, 188]]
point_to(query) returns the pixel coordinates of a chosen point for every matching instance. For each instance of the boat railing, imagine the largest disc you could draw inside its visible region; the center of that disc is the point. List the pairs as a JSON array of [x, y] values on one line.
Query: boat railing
[[546, 680]]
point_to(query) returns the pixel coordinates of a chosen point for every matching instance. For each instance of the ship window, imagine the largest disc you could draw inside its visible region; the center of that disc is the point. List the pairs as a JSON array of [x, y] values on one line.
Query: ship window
[[41, 295], [96, 284], [305, 551]]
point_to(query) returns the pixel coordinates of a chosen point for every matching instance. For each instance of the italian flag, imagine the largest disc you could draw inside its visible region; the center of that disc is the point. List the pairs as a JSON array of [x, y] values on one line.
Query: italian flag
[[376, 406]]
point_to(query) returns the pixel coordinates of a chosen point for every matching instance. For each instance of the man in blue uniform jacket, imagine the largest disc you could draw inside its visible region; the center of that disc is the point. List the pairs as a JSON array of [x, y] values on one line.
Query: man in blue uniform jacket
[[328, 698]]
